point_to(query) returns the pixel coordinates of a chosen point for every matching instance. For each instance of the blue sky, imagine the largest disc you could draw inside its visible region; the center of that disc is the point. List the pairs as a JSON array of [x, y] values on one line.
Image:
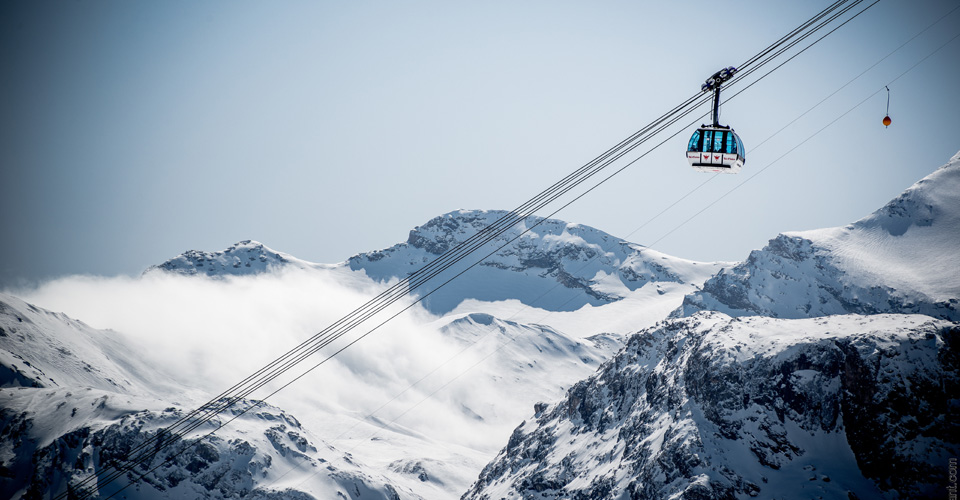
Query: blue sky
[[133, 131]]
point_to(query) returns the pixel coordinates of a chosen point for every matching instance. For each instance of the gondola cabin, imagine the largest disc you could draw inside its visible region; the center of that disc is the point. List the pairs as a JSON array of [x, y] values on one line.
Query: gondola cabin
[[716, 149]]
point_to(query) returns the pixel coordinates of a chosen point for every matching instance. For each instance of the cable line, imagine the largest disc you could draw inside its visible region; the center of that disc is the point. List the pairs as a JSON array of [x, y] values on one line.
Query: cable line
[[146, 451], [293, 357], [662, 237]]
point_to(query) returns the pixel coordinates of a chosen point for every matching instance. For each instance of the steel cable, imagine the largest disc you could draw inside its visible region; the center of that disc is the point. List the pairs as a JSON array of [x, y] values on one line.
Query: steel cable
[[228, 398]]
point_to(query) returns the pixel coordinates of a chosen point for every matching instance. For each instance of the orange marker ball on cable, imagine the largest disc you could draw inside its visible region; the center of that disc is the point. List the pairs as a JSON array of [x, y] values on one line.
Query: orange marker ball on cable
[[886, 119]]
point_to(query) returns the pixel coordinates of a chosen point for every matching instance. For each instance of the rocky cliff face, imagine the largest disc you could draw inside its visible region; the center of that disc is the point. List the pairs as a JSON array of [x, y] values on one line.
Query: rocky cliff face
[[713, 407], [264, 454]]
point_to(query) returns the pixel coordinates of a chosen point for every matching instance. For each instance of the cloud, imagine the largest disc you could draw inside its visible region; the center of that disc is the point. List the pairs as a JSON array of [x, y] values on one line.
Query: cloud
[[211, 333]]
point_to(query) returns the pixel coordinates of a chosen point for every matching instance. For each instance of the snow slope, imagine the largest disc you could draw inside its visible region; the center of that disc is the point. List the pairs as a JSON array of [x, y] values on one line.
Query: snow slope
[[713, 407], [45, 349], [905, 257]]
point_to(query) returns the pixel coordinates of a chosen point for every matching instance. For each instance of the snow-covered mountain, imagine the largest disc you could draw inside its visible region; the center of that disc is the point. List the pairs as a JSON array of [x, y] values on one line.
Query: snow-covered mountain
[[825, 365], [556, 266], [905, 257], [74, 399], [821, 404], [240, 259], [713, 407], [45, 349], [53, 438], [439, 433]]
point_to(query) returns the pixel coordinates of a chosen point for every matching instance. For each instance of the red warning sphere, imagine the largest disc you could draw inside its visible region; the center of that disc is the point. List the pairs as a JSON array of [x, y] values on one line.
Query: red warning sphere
[[887, 121]]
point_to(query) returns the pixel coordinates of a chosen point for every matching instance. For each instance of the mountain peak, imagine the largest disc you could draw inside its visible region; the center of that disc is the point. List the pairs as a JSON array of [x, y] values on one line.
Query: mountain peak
[[902, 258], [543, 260], [242, 258], [936, 197]]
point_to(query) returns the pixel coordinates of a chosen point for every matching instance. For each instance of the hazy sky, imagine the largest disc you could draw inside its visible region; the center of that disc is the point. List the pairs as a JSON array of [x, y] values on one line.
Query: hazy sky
[[133, 131]]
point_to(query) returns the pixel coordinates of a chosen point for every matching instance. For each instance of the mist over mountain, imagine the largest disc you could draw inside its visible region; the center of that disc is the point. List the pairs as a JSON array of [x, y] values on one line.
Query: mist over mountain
[[823, 365], [555, 265]]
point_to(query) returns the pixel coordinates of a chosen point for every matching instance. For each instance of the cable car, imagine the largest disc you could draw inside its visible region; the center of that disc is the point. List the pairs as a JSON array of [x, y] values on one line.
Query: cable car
[[716, 148]]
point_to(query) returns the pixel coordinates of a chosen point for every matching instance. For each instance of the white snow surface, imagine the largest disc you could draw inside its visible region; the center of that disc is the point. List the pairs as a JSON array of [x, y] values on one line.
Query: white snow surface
[[41, 348], [912, 244], [905, 257]]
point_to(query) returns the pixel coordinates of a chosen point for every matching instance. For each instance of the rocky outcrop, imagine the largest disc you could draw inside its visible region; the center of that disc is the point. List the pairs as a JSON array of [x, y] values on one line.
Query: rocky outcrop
[[243, 258], [713, 407], [244, 460]]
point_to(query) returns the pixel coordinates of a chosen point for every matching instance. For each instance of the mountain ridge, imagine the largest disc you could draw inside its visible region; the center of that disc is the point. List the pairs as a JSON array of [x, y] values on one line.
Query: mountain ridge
[[794, 374], [825, 365], [901, 258], [556, 265], [245, 257]]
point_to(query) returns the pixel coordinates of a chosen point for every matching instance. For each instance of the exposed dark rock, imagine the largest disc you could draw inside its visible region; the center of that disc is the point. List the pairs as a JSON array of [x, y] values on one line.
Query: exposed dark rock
[[664, 416]]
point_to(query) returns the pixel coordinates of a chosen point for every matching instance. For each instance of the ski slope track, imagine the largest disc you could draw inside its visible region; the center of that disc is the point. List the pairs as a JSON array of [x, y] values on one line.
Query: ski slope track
[[905, 257]]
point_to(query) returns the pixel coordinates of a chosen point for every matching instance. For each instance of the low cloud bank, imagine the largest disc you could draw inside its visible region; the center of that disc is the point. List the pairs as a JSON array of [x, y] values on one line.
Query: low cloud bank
[[211, 333]]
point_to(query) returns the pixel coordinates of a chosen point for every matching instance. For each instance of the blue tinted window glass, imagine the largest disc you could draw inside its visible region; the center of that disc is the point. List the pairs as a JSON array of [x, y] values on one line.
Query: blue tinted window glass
[[694, 142], [707, 140], [743, 152], [718, 142], [731, 144]]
